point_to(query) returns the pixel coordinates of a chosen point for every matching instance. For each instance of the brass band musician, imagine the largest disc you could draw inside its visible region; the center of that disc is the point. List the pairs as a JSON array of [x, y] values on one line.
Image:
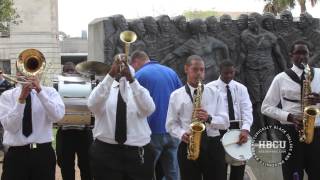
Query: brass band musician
[[287, 88], [121, 148], [211, 161]]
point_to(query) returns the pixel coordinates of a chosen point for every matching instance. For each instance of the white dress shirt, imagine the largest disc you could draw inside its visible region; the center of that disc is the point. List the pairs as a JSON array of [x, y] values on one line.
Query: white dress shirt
[[283, 87], [181, 107], [241, 101], [103, 103], [47, 108]]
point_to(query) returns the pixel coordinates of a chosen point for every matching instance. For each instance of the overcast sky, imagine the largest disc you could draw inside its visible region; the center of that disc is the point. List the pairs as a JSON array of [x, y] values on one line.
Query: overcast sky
[[75, 15]]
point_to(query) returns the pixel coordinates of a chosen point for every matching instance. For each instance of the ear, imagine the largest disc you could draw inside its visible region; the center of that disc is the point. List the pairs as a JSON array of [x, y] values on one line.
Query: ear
[[186, 69]]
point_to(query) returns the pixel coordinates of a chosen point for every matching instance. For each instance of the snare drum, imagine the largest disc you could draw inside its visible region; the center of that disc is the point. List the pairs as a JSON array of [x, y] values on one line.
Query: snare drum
[[236, 154], [75, 91]]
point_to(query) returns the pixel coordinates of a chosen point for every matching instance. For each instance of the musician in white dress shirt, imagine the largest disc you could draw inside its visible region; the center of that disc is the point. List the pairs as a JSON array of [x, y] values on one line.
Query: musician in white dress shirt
[[27, 113], [286, 89], [211, 161], [240, 107], [121, 149]]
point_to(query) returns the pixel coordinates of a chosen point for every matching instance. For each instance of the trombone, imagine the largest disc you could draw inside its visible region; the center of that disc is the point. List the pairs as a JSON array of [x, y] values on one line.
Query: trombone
[[31, 62]]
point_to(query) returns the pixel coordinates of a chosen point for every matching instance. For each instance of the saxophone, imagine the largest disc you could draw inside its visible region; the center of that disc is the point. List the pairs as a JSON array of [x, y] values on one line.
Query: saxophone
[[309, 111], [197, 127]]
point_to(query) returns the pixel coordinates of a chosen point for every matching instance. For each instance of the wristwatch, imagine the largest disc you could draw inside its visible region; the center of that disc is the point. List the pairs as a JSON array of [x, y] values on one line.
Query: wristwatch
[[209, 119]]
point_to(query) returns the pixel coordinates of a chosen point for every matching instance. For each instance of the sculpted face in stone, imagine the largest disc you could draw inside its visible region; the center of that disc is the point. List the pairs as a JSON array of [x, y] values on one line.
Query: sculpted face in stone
[[242, 22], [181, 23], [286, 18], [198, 26], [226, 22], [138, 27], [164, 23], [268, 21], [305, 20], [150, 25], [212, 24], [252, 23], [120, 23]]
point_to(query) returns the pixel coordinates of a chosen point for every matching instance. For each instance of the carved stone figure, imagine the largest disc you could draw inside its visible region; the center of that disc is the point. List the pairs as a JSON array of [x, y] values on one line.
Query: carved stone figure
[[259, 48], [287, 30], [242, 22], [231, 39], [212, 26], [210, 49], [166, 37], [181, 30], [268, 23], [137, 26], [113, 44], [151, 37], [312, 35]]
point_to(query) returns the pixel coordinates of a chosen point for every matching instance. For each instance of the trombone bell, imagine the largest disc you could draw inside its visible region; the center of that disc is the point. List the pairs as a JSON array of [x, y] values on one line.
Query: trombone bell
[[128, 37]]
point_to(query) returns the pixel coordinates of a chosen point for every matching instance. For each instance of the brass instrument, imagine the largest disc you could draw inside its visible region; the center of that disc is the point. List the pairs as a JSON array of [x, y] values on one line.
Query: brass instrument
[[309, 112], [197, 127], [127, 37], [31, 62]]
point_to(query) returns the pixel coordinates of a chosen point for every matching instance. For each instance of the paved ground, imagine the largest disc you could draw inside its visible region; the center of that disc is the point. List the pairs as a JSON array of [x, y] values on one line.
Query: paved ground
[[254, 171]]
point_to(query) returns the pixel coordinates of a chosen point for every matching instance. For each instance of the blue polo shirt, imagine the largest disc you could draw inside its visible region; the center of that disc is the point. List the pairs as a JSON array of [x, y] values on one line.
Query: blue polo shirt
[[161, 81]]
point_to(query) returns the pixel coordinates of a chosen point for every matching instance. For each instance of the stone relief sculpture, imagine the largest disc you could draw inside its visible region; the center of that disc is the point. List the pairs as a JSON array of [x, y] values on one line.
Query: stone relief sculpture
[[258, 45], [137, 26], [209, 48], [113, 45], [182, 33], [151, 37], [212, 26], [259, 48], [229, 37], [166, 37], [312, 35]]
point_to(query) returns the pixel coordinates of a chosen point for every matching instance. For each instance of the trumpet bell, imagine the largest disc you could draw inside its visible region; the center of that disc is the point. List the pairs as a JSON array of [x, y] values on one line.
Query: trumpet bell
[[128, 37], [31, 62]]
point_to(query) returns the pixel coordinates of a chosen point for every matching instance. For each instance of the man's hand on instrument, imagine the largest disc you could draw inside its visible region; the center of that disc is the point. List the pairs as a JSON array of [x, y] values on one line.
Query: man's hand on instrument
[[243, 137], [126, 73], [202, 115], [313, 98], [35, 82], [115, 67], [185, 137], [296, 120]]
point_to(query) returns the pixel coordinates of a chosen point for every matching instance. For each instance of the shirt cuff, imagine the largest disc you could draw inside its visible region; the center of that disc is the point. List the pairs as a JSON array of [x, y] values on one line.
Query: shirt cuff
[[42, 95], [107, 81], [246, 127], [134, 86], [19, 108], [284, 116]]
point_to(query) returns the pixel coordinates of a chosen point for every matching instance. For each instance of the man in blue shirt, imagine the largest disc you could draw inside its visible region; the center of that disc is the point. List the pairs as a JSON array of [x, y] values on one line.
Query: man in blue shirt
[[160, 81]]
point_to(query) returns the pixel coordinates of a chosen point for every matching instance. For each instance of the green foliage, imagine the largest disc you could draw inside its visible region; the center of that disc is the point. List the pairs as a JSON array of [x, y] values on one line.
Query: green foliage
[[7, 12], [202, 14], [276, 6]]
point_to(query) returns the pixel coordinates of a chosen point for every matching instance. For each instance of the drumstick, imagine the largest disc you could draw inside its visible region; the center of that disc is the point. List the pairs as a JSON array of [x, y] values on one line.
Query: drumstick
[[231, 143]]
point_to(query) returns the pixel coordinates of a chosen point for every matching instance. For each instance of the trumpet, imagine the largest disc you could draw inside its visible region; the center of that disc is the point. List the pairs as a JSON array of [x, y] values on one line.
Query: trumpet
[[127, 37], [31, 62]]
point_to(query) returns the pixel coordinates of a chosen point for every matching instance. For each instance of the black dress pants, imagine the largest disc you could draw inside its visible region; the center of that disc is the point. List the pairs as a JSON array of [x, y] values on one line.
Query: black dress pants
[[24, 163], [121, 162], [210, 165], [70, 143], [304, 156]]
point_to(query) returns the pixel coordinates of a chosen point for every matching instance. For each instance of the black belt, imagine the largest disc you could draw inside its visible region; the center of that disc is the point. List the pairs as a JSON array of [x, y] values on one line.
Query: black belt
[[31, 146], [118, 146]]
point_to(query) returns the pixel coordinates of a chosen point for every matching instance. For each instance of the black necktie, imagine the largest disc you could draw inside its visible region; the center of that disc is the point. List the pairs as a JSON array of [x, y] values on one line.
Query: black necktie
[[301, 85], [230, 109], [121, 120], [27, 118]]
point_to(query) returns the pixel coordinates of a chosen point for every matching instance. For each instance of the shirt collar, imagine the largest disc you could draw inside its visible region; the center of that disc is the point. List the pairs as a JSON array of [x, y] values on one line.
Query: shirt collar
[[191, 88], [297, 70], [222, 83], [150, 62]]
